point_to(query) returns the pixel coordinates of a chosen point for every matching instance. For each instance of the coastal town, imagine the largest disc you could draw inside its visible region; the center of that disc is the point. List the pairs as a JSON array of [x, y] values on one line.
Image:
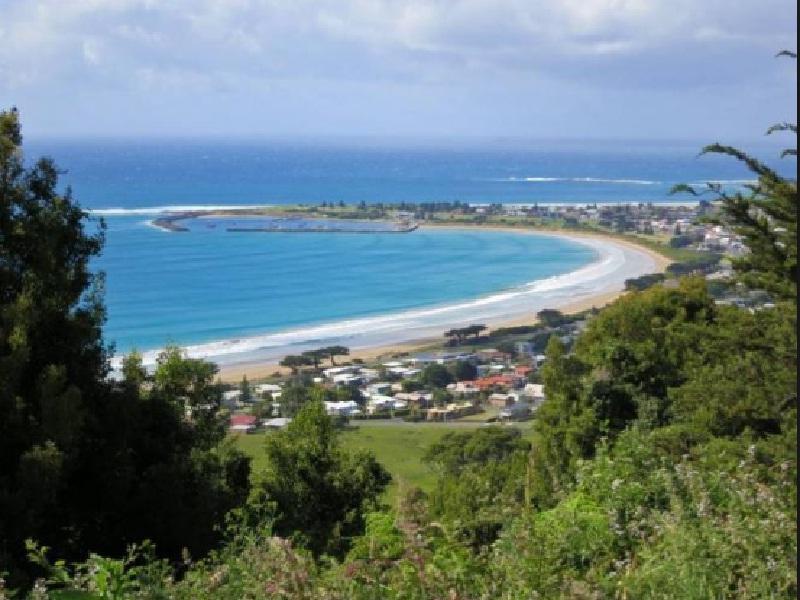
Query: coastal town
[[476, 375], [681, 224]]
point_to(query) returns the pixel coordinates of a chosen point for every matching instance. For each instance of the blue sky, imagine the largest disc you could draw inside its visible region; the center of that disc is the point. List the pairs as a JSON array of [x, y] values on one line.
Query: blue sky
[[686, 69]]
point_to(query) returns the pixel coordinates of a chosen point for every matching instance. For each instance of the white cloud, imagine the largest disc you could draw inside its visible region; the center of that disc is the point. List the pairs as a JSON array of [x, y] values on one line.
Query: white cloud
[[270, 50], [390, 35]]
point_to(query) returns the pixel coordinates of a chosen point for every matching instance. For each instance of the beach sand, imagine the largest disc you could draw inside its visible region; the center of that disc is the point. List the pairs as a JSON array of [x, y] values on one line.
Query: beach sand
[[259, 370]]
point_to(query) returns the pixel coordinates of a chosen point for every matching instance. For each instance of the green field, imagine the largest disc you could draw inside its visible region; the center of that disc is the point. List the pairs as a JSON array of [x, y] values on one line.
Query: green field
[[399, 447]]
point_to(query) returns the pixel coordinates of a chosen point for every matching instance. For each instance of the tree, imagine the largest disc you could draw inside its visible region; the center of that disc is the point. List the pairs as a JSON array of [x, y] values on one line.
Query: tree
[[87, 463], [480, 476], [441, 398], [551, 317], [314, 357], [765, 215], [246, 393], [455, 336], [462, 370], [319, 492], [293, 398], [435, 375], [333, 351], [295, 362], [474, 330]]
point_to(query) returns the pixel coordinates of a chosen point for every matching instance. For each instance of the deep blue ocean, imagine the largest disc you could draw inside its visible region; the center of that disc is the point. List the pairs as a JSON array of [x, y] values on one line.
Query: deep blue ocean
[[131, 174], [208, 286]]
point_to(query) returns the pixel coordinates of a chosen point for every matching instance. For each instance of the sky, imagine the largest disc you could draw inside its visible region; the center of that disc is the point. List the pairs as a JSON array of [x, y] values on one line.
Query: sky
[[575, 69]]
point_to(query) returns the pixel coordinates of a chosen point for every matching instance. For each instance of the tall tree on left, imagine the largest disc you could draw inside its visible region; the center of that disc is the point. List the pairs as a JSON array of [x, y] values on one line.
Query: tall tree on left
[[76, 448]]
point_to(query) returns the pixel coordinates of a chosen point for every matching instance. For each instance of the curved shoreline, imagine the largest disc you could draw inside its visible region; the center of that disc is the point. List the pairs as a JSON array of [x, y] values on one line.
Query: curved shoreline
[[592, 285]]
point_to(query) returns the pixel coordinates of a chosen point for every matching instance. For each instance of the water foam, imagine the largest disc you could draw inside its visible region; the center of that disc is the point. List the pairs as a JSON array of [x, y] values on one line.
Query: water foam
[[582, 180]]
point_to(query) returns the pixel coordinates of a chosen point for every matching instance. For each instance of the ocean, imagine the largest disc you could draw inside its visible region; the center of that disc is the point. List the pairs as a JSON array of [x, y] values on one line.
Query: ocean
[[252, 296]]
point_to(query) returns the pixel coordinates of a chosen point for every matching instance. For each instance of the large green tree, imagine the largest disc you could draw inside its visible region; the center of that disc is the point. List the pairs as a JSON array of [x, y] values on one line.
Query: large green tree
[[318, 491], [87, 463]]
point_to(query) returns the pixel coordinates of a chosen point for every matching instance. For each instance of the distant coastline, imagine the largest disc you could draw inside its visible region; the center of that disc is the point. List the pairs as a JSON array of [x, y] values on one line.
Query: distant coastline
[[282, 221]]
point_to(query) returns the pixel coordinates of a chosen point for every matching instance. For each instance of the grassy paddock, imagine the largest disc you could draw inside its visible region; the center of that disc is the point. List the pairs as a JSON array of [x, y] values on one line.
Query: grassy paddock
[[398, 447]]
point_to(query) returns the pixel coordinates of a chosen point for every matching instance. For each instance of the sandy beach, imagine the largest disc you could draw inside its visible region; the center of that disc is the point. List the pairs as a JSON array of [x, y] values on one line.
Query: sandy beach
[[657, 263]]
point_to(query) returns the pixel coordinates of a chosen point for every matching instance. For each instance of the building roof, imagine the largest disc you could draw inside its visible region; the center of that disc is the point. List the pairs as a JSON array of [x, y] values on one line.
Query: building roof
[[242, 420]]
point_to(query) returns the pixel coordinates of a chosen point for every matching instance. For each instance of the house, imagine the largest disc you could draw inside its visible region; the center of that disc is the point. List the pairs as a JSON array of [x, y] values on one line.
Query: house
[[378, 388], [334, 371], [463, 388], [381, 403], [369, 374], [420, 399], [404, 372], [497, 381], [393, 364], [345, 408], [501, 400], [266, 388], [347, 379], [242, 424], [534, 390], [451, 411], [231, 399]]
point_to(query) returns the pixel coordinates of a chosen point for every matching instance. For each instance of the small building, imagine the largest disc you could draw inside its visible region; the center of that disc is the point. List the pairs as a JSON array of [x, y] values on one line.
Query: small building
[[243, 424], [498, 381], [267, 388], [378, 388], [334, 371], [231, 399], [419, 399], [501, 400], [451, 411], [347, 379], [345, 408], [534, 390], [463, 388], [382, 403]]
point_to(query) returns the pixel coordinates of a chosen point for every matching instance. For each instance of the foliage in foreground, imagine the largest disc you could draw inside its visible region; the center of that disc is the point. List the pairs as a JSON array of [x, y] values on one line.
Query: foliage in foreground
[[663, 466]]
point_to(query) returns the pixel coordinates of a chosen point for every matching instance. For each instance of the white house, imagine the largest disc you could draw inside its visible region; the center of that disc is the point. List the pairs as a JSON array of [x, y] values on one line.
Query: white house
[[346, 378], [465, 388], [378, 388], [267, 388], [232, 398], [333, 371], [344, 408], [378, 403]]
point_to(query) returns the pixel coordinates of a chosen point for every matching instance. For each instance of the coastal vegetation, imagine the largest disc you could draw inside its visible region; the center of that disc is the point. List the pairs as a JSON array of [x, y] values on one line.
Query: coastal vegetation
[[661, 464]]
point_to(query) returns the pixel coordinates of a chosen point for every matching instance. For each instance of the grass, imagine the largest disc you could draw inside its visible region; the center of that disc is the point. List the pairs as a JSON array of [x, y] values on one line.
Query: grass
[[398, 447]]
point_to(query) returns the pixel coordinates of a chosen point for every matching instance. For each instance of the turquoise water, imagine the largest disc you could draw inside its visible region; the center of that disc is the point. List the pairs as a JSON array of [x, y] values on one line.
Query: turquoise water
[[210, 288], [210, 285]]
